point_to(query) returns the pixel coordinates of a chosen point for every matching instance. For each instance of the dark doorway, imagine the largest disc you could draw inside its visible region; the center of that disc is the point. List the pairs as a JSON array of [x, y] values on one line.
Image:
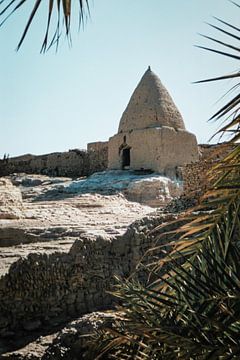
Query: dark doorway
[[125, 158]]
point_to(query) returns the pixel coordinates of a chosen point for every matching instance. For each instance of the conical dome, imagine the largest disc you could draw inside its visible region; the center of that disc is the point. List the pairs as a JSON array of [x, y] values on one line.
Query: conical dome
[[150, 106]]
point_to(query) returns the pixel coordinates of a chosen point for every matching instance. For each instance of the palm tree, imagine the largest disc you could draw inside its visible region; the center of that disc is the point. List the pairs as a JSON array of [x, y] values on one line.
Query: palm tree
[[60, 9], [190, 307]]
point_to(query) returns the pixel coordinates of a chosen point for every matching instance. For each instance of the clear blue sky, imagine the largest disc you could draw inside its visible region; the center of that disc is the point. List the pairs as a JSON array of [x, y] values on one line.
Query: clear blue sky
[[56, 102]]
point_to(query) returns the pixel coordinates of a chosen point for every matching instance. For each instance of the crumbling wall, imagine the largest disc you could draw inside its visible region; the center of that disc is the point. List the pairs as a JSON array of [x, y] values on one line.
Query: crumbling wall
[[195, 179], [98, 156], [97, 146], [74, 163], [45, 289]]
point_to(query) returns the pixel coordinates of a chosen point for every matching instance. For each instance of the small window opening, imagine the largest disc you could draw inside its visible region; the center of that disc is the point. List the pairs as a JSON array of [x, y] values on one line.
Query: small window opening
[[124, 139]]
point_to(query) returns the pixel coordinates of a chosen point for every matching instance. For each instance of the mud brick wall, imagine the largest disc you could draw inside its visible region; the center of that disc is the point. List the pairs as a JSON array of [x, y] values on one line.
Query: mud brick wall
[[195, 174], [42, 289], [74, 163], [195, 178], [98, 156]]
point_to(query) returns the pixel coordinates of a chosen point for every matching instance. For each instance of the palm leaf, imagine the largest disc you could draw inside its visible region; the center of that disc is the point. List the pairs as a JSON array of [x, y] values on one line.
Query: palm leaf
[[62, 9], [190, 306]]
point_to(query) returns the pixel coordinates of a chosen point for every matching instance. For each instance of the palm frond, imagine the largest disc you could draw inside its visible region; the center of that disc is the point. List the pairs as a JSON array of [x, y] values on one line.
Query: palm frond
[[190, 306], [193, 324], [60, 9]]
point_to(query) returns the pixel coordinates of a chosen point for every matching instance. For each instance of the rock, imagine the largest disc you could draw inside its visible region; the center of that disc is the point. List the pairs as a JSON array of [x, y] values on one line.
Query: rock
[[32, 325], [154, 191], [180, 204], [149, 189], [32, 180], [31, 349], [72, 341], [11, 205]]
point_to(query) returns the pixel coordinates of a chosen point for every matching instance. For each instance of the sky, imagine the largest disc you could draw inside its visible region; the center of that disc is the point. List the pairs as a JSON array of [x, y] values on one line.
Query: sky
[[59, 101]]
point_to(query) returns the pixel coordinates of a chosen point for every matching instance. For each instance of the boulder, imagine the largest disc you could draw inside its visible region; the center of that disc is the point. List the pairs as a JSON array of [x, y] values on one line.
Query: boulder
[[11, 205], [74, 339], [153, 191]]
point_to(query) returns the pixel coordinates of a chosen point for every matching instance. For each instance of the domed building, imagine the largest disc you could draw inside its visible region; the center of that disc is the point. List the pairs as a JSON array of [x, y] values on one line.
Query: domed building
[[151, 133]]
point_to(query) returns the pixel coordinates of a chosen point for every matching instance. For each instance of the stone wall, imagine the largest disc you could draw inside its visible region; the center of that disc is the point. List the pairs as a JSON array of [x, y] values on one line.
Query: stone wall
[[74, 163], [97, 146], [43, 290], [195, 174]]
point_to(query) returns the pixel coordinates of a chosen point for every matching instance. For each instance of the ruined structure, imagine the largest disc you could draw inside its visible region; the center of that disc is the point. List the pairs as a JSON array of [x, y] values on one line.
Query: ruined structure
[[151, 132], [151, 136], [73, 163]]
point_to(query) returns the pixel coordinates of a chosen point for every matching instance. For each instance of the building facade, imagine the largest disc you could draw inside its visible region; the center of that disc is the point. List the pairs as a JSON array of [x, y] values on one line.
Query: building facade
[[151, 134]]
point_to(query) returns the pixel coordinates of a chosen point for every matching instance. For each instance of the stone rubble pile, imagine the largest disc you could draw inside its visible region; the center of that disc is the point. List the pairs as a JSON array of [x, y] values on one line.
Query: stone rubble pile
[[72, 341], [180, 204]]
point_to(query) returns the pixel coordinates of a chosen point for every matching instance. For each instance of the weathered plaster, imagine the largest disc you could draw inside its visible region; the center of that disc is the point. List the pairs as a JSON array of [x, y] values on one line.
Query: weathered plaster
[[154, 131]]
